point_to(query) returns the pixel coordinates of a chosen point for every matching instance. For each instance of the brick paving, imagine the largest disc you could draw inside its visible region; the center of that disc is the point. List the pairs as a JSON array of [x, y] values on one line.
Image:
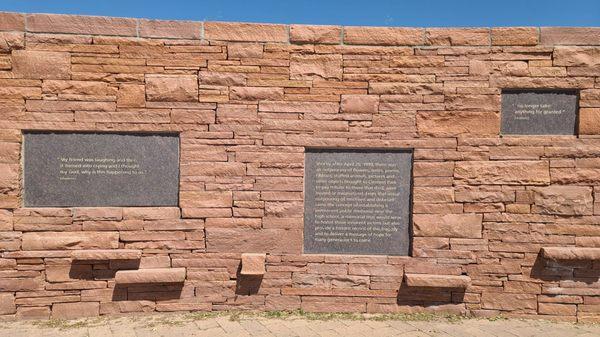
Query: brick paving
[[185, 325]]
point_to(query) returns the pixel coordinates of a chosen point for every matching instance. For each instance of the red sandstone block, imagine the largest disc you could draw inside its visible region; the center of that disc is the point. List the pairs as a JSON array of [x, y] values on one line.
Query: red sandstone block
[[75, 310], [107, 254], [310, 67], [69, 240], [170, 29], [576, 56], [457, 36], [448, 225], [244, 240], [7, 302], [97, 213], [253, 264], [563, 200], [384, 36], [503, 172], [570, 36], [515, 36], [21, 284], [571, 253], [507, 301], [33, 313], [131, 96], [157, 275], [244, 50], [75, 24], [168, 88], [41, 64], [437, 281], [205, 199], [12, 21], [219, 169], [150, 213], [589, 121], [252, 32], [255, 93], [315, 34], [360, 104]]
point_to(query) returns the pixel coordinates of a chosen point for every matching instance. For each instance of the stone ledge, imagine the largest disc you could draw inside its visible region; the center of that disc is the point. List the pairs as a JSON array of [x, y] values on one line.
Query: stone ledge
[[437, 281], [107, 254], [253, 264], [156, 275], [570, 253]]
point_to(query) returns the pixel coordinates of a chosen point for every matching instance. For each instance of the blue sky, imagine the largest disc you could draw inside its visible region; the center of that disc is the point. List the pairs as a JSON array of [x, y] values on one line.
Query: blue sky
[[422, 13]]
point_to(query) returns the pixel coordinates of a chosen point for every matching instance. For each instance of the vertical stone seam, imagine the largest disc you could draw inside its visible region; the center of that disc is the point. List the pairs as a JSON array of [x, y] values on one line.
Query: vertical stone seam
[[489, 36], [202, 30], [137, 28], [342, 30], [287, 29], [539, 29]]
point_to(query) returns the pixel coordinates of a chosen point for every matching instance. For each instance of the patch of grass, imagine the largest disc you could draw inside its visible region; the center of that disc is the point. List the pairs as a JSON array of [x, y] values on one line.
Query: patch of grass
[[62, 324]]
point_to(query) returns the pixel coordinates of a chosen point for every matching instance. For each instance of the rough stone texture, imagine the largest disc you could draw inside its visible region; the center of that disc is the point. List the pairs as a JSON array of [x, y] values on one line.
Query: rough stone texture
[[566, 200], [245, 110], [571, 253], [253, 264], [448, 225], [437, 281], [315, 34], [153, 275], [107, 254], [75, 310], [41, 64], [172, 88]]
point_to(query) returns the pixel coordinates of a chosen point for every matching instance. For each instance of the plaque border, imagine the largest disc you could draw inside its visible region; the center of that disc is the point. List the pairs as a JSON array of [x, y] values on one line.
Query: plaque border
[[73, 131], [410, 150], [576, 92]]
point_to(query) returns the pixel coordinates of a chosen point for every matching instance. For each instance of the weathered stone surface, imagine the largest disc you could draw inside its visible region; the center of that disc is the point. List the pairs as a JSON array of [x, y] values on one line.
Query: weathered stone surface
[[573, 56], [589, 121], [70, 240], [448, 225], [570, 253], [458, 36], [75, 310], [253, 264], [508, 301], [437, 281], [12, 21], [385, 36], [360, 104], [565, 200], [7, 304], [232, 31], [170, 29], [41, 64], [515, 36], [76, 24], [244, 50], [319, 67], [10, 41], [445, 123], [156, 275], [107, 254], [503, 172], [315, 34], [256, 93], [172, 88], [570, 35], [245, 240], [131, 96]]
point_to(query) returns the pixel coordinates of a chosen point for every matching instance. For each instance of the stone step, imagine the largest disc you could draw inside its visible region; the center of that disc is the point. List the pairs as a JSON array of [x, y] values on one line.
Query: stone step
[[155, 275], [570, 253], [437, 281], [106, 254]]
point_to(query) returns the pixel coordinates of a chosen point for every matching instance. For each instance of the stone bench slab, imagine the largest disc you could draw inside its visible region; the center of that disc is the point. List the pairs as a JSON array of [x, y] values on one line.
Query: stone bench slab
[[107, 254], [570, 253], [437, 281], [155, 275]]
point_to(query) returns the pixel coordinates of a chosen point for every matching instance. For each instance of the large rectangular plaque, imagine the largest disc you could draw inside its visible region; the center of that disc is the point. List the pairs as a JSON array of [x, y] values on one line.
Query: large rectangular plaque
[[100, 169], [357, 201], [539, 112]]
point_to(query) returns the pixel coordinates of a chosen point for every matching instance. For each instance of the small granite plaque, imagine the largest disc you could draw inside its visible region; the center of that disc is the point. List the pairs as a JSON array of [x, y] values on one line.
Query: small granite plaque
[[357, 201], [100, 169], [539, 112]]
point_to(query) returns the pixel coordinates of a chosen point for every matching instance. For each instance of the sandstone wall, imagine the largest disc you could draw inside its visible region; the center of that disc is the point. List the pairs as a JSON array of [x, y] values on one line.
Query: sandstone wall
[[246, 100]]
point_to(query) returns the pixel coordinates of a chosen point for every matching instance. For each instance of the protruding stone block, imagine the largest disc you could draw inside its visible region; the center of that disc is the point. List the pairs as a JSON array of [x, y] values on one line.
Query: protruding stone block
[[570, 253], [155, 275], [107, 254], [70, 240], [172, 88], [253, 264], [437, 281], [565, 200]]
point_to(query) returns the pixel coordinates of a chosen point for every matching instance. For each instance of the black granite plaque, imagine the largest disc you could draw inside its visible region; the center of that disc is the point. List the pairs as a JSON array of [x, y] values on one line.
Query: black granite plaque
[[357, 201], [539, 112], [100, 169]]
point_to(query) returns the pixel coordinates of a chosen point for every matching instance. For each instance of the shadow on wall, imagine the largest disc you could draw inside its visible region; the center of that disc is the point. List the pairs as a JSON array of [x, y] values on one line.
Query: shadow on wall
[[429, 296], [586, 271]]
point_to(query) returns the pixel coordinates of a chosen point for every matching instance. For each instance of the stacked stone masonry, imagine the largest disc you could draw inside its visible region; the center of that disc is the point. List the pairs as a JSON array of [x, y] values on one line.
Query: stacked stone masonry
[[246, 99]]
